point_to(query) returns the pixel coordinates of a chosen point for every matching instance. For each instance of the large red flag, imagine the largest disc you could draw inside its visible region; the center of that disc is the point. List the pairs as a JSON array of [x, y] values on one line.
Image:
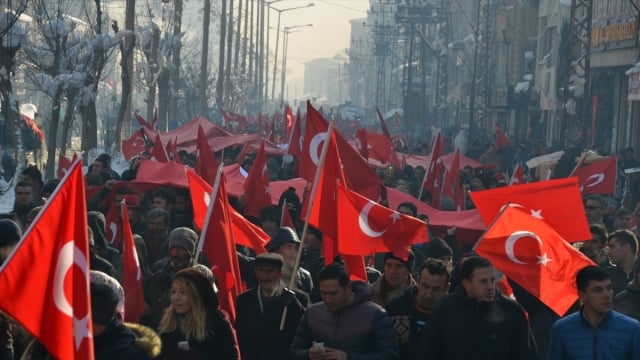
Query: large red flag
[[206, 163], [598, 177], [218, 245], [535, 256], [131, 272], [64, 165], [558, 202], [244, 232], [358, 175], [158, 152], [50, 297], [392, 157], [134, 145], [256, 188], [451, 185], [379, 229], [361, 143]]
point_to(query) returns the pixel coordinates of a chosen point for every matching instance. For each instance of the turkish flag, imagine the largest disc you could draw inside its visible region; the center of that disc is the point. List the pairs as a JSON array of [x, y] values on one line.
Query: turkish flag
[[142, 121], [285, 217], [598, 177], [172, 151], [113, 226], [358, 175], [135, 145], [451, 185], [431, 172], [289, 121], [256, 187], [558, 202], [206, 164], [362, 143], [64, 165], [501, 140], [295, 140], [50, 297], [131, 272], [392, 157], [380, 148], [218, 245], [531, 253], [244, 232], [518, 177], [158, 152], [379, 229]]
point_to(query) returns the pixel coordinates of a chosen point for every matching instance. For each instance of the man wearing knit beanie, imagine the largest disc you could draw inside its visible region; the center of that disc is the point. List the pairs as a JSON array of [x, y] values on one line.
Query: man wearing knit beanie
[[395, 279]]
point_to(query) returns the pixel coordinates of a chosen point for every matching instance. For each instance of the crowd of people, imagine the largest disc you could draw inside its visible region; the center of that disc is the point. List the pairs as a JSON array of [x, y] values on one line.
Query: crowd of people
[[440, 302]]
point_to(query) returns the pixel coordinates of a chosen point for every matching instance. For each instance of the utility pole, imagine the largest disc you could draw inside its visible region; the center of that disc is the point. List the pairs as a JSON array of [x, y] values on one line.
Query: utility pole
[[220, 79], [479, 98], [204, 59], [229, 48], [238, 37], [245, 40], [175, 73]]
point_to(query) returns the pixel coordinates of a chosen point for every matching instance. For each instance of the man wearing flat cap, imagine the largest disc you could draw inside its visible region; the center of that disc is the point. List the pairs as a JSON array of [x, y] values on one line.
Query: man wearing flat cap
[[182, 245], [286, 243], [260, 309]]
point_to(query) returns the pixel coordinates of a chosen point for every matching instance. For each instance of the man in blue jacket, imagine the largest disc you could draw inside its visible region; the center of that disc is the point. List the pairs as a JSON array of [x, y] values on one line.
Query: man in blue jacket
[[596, 331]]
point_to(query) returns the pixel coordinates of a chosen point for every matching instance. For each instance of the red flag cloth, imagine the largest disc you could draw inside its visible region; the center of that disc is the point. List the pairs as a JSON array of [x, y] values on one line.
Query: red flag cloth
[[289, 121], [358, 175], [379, 228], [142, 121], [256, 188], [50, 297], [206, 163], [501, 140], [172, 151], [158, 152], [558, 202], [218, 245], [361, 143], [113, 227], [131, 272], [34, 127], [598, 177], [135, 145], [518, 177], [285, 218], [244, 232], [392, 157], [295, 140], [531, 253], [64, 164], [431, 173], [451, 185]]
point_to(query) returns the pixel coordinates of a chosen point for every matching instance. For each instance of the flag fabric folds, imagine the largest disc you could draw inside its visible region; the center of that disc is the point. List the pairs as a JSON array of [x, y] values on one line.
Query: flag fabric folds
[[256, 188], [535, 256], [131, 271], [50, 297]]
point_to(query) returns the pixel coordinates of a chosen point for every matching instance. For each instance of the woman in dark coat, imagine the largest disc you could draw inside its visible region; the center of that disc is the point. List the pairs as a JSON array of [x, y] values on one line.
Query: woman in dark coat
[[193, 327]]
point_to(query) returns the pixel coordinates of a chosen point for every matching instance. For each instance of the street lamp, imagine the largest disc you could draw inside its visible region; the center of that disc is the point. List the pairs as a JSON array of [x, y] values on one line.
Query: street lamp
[[266, 58], [275, 61], [285, 44]]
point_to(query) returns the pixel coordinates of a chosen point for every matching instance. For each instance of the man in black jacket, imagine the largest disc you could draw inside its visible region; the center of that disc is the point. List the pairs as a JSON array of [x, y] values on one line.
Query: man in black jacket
[[260, 310], [476, 322]]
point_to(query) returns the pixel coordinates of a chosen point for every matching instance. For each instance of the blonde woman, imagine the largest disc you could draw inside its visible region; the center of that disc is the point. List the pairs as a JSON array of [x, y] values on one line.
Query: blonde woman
[[193, 327]]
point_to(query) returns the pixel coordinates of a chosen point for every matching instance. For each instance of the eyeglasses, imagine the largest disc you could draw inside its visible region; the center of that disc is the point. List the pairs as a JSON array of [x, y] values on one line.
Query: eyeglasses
[[588, 207]]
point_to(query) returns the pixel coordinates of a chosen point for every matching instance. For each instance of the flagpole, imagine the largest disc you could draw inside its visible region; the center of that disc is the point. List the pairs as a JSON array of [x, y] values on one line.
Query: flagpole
[[312, 197], [286, 151], [284, 207], [579, 164], [203, 232], [493, 221], [427, 170]]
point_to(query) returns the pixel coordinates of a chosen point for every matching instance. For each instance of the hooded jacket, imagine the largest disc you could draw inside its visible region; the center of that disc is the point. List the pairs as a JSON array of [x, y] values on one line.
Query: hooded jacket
[[126, 342], [362, 329]]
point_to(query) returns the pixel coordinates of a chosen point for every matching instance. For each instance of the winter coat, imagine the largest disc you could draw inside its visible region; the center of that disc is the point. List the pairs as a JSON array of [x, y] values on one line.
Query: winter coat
[[126, 342], [362, 329], [407, 322], [462, 328], [617, 337], [628, 301], [220, 344], [383, 293], [259, 334]]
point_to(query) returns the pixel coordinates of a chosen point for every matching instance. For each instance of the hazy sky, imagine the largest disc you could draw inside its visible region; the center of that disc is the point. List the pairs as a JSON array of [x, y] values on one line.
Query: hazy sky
[[329, 35]]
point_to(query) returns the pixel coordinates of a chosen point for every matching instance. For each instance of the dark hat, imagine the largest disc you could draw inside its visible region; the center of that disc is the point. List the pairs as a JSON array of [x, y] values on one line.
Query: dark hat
[[282, 236], [183, 237], [10, 232], [270, 259], [270, 213], [408, 263], [438, 248], [132, 200], [202, 285], [104, 302]]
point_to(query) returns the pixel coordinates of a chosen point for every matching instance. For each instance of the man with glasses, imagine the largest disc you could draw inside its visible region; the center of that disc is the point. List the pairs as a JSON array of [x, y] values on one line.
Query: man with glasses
[[594, 207]]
